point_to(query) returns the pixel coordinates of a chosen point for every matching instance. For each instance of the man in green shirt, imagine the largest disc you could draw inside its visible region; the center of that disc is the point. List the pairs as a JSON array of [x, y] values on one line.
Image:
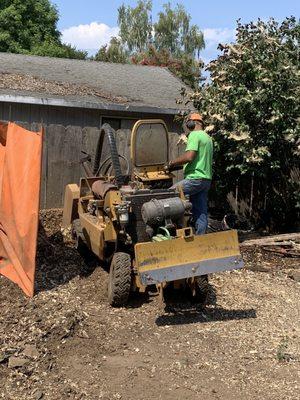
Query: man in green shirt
[[197, 161]]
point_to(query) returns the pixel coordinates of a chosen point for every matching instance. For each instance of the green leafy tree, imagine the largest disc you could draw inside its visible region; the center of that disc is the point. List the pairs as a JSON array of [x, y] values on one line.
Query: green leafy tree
[[252, 105], [174, 32], [172, 41], [30, 27], [135, 25], [53, 49], [114, 52]]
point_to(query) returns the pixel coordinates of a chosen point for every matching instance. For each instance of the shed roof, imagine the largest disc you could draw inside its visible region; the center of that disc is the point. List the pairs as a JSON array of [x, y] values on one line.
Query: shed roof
[[90, 84]]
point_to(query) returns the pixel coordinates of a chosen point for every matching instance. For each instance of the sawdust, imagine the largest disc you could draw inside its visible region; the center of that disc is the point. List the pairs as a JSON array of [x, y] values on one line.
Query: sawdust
[[67, 342], [39, 85]]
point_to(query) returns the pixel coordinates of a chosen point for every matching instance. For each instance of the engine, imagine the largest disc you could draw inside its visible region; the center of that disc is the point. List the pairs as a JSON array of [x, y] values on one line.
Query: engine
[[151, 209], [164, 212]]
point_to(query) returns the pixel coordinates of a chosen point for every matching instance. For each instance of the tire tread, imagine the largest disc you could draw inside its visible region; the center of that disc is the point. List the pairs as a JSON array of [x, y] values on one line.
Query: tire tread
[[119, 289]]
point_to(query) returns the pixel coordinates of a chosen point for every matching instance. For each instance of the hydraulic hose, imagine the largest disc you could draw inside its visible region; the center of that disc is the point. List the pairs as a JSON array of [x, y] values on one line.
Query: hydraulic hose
[[107, 130]]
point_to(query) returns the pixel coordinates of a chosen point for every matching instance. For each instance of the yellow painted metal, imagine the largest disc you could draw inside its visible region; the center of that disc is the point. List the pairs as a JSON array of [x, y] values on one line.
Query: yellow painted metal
[[150, 175], [110, 233], [112, 198], [70, 211], [133, 141], [179, 251], [185, 232], [93, 229]]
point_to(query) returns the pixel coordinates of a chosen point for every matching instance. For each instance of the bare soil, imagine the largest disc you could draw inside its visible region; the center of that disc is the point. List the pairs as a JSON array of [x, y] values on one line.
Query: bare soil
[[68, 343]]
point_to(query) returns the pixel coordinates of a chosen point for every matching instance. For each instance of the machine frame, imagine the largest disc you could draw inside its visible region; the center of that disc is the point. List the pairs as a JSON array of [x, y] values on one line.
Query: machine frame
[[100, 210]]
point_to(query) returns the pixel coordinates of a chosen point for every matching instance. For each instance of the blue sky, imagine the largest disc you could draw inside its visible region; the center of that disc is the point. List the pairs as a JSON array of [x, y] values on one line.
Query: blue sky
[[89, 24]]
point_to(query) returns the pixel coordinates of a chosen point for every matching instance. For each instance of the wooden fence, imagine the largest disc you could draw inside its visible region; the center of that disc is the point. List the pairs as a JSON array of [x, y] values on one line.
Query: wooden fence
[[62, 152]]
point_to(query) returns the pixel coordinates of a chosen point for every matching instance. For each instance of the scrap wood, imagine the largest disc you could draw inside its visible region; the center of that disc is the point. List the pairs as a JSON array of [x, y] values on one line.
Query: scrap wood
[[287, 245], [278, 240], [282, 251]]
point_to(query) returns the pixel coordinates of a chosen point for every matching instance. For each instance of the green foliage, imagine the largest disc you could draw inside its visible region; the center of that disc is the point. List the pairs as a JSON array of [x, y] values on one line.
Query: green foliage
[[135, 25], [30, 27], [25, 23], [252, 105], [114, 52], [171, 42], [174, 32], [53, 49]]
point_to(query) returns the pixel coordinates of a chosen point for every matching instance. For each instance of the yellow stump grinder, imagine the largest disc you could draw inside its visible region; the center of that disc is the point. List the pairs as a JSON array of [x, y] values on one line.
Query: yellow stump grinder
[[125, 212]]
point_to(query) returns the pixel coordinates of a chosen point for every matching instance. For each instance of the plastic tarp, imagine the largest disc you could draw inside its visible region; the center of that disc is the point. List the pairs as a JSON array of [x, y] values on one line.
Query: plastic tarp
[[20, 175]]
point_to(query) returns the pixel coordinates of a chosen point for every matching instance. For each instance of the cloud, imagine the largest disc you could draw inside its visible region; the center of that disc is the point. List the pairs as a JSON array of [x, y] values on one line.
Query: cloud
[[214, 36], [90, 36]]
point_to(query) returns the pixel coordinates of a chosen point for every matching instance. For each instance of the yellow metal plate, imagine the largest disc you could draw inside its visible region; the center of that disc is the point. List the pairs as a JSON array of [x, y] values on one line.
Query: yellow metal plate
[[181, 251]]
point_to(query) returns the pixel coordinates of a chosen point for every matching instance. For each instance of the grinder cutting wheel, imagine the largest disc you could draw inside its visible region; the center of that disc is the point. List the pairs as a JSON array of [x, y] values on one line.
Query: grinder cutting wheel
[[136, 222]]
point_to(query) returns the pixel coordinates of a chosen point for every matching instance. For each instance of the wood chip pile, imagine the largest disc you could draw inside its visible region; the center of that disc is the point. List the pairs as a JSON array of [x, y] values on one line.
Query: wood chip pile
[[39, 85], [68, 343]]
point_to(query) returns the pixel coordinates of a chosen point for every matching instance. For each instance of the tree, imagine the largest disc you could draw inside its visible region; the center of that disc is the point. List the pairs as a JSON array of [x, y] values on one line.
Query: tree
[[135, 25], [174, 32], [30, 27], [185, 67], [53, 49], [252, 105], [114, 52], [171, 42]]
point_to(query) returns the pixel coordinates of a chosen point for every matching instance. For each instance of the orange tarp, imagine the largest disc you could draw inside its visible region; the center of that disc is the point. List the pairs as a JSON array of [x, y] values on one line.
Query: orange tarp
[[20, 175]]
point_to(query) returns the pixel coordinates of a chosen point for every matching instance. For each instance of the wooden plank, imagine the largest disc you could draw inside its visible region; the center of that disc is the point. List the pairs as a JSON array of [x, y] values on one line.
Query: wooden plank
[[90, 136], [63, 148], [272, 240], [36, 127], [123, 146], [54, 143], [72, 156]]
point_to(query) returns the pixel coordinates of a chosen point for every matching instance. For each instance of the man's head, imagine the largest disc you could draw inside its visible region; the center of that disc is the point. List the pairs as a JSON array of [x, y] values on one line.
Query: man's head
[[194, 122]]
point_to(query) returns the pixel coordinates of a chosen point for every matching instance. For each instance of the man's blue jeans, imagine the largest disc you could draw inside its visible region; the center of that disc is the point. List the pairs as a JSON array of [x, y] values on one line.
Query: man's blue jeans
[[197, 190]]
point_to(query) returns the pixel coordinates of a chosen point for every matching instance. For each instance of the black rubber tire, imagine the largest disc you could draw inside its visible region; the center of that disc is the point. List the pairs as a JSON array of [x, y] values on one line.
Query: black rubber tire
[[119, 282], [202, 290]]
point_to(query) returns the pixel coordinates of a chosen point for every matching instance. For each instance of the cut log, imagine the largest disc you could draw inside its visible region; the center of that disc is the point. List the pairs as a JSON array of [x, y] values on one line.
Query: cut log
[[279, 240]]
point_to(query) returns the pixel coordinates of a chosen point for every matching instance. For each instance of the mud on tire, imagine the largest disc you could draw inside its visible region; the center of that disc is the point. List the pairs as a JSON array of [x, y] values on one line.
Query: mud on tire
[[119, 281]]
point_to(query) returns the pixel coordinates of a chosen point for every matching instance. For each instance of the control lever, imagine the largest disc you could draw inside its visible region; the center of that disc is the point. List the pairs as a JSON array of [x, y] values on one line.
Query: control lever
[[85, 162]]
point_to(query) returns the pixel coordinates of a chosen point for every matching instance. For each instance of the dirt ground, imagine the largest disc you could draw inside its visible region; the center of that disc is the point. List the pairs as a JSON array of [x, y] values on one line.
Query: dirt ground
[[67, 343]]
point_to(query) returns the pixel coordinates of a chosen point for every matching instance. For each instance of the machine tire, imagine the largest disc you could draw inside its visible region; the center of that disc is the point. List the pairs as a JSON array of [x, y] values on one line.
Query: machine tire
[[202, 290], [119, 281]]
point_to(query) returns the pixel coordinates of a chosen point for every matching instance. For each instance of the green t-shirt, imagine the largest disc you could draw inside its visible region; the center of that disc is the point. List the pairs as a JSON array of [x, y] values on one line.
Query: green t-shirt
[[201, 166]]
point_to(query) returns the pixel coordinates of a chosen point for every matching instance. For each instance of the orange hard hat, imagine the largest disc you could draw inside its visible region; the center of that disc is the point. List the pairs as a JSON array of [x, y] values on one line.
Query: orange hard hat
[[195, 117]]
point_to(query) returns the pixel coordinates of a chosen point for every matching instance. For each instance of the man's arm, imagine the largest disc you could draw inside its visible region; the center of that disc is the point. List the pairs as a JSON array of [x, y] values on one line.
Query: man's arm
[[187, 157]]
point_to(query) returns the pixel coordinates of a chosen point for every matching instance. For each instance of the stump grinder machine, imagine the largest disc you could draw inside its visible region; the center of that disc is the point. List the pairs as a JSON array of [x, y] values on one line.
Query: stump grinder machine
[[127, 214]]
